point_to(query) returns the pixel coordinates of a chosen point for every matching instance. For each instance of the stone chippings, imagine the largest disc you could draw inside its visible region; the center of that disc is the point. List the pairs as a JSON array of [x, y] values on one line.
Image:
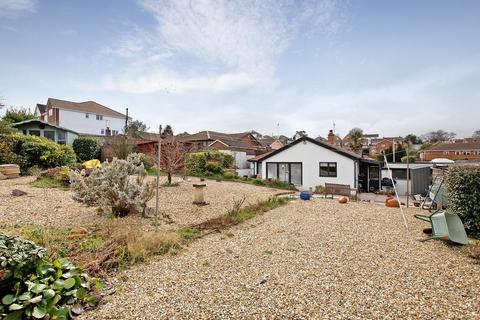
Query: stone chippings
[[305, 260]]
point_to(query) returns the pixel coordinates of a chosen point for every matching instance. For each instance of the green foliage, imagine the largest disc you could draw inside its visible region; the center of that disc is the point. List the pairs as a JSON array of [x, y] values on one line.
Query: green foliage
[[31, 286], [463, 194], [86, 148], [112, 188], [274, 183], [6, 127], [14, 115], [188, 233], [355, 139], [28, 151], [412, 139], [141, 158], [320, 189], [411, 159], [208, 163], [229, 175], [135, 126], [259, 182], [399, 154]]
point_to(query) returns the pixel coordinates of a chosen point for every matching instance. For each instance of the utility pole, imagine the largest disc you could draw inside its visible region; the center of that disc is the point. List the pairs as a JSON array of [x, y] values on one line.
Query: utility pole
[[159, 149], [126, 121], [393, 150]]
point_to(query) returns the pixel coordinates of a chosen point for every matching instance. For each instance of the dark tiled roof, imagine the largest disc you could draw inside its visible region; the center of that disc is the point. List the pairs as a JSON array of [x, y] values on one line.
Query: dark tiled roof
[[87, 107], [456, 146], [40, 122], [41, 108]]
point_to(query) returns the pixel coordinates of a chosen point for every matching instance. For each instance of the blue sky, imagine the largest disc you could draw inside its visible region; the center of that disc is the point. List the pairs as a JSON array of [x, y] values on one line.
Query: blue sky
[[388, 67]]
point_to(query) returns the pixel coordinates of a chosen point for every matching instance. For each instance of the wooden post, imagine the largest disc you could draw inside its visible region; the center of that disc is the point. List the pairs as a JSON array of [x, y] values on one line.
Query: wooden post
[[408, 173], [159, 149], [126, 121]]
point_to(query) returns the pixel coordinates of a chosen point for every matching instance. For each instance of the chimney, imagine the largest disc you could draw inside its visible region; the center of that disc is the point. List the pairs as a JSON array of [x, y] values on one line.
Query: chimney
[[108, 132], [331, 137]]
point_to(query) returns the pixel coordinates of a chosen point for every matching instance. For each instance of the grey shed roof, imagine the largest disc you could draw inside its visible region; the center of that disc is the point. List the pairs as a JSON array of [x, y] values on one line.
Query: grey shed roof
[[33, 121]]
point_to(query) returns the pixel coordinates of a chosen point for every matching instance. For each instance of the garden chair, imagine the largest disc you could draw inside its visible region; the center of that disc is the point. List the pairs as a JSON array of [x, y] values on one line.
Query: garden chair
[[445, 226]]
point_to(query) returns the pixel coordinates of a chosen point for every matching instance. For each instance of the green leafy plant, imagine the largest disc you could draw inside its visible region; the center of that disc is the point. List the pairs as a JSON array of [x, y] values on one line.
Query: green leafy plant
[[86, 148], [118, 187], [463, 192], [28, 151], [31, 286], [209, 162]]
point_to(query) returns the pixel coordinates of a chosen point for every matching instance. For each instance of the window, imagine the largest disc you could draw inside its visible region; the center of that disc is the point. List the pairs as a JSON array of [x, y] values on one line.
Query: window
[[399, 174], [328, 169], [50, 112], [445, 153], [114, 132], [102, 131], [99, 117], [49, 135], [87, 115], [288, 172], [61, 137], [466, 152], [34, 132]]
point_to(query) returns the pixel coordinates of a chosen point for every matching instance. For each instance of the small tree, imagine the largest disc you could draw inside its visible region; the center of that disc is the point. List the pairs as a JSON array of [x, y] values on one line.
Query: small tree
[[135, 126], [355, 139], [412, 139], [86, 148], [439, 136], [168, 131], [173, 158], [118, 187], [14, 115]]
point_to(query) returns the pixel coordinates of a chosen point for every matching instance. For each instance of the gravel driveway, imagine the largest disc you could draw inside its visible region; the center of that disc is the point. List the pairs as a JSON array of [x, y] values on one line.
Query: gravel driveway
[[316, 259]]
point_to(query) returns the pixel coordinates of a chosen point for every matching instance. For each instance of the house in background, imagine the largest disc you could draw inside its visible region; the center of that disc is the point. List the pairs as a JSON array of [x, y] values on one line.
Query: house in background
[[465, 150], [383, 144], [36, 127], [87, 117], [307, 163], [270, 143]]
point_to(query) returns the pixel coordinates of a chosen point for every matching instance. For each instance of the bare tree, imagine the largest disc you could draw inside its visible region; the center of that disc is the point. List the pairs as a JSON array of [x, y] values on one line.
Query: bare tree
[[438, 136], [173, 157]]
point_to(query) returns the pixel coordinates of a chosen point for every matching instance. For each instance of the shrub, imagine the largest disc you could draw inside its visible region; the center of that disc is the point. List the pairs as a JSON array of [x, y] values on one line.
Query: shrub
[[31, 286], [259, 182], [463, 192], [86, 148], [274, 183], [118, 187], [209, 162], [320, 189], [28, 151], [229, 176], [140, 158]]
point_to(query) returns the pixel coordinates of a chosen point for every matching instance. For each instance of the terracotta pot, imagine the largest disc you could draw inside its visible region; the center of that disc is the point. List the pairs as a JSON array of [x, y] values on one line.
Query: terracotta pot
[[392, 203], [343, 199]]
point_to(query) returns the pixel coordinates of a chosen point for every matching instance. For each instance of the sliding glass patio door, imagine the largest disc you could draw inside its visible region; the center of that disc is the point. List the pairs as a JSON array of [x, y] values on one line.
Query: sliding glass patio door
[[288, 172]]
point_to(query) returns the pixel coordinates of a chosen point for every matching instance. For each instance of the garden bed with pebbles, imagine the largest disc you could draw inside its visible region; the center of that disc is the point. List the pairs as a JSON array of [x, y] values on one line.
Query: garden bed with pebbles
[[55, 207], [316, 259]]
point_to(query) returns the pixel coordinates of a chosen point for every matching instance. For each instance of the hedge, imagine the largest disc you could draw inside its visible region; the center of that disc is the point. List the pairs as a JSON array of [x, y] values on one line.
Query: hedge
[[28, 151], [208, 162], [463, 194], [86, 148]]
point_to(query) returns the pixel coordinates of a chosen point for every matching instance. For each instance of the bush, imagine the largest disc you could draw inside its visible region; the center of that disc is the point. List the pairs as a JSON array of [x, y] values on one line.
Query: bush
[[320, 189], [86, 148], [210, 162], [118, 187], [28, 151], [229, 176], [259, 182], [274, 183], [140, 158], [31, 286], [463, 194]]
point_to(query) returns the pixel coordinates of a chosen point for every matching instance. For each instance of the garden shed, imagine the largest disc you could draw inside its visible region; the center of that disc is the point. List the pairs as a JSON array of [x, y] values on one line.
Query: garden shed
[[420, 177], [36, 127]]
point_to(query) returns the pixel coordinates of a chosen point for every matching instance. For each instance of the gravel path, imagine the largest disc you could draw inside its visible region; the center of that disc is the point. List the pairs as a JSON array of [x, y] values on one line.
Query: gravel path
[[55, 207], [313, 259]]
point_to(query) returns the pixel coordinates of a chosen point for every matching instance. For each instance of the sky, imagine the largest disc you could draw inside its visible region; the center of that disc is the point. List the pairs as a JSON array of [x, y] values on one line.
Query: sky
[[388, 67]]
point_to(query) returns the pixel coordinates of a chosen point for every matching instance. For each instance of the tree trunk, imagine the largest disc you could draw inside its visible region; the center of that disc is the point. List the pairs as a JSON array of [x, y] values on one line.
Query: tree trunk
[[169, 176]]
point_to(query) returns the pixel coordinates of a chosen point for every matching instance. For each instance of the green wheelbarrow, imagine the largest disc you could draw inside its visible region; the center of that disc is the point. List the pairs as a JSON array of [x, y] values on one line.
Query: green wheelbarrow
[[445, 226]]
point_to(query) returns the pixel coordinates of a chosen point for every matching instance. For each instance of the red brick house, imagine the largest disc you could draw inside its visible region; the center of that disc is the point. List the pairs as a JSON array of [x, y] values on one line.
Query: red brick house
[[463, 150]]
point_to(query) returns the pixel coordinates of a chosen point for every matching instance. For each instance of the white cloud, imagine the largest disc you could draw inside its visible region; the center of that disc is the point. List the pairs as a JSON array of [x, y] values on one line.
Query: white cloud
[[16, 7], [239, 39]]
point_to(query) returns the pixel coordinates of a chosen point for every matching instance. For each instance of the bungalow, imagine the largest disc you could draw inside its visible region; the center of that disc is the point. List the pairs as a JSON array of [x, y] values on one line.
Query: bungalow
[[36, 127], [307, 163]]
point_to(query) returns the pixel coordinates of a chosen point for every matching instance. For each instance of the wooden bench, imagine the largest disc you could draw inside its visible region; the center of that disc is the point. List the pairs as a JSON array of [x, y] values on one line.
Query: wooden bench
[[340, 190]]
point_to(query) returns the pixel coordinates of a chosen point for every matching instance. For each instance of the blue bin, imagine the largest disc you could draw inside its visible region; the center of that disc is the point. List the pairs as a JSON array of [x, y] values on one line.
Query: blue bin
[[305, 195]]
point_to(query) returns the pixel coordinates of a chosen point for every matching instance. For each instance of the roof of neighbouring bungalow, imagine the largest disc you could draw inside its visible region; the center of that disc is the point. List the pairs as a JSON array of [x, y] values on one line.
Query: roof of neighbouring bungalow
[[346, 153], [40, 122]]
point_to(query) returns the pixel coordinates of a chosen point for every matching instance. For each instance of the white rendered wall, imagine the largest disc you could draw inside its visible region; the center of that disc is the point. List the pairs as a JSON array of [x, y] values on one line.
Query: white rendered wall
[[310, 155], [77, 121]]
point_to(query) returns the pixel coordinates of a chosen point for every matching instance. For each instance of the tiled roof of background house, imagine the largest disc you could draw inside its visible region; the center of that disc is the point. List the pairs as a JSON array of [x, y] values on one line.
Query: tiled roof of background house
[[41, 108], [455, 146], [87, 107]]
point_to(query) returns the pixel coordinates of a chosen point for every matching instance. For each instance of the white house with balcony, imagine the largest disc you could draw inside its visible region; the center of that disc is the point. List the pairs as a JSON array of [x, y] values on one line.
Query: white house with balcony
[[87, 117]]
